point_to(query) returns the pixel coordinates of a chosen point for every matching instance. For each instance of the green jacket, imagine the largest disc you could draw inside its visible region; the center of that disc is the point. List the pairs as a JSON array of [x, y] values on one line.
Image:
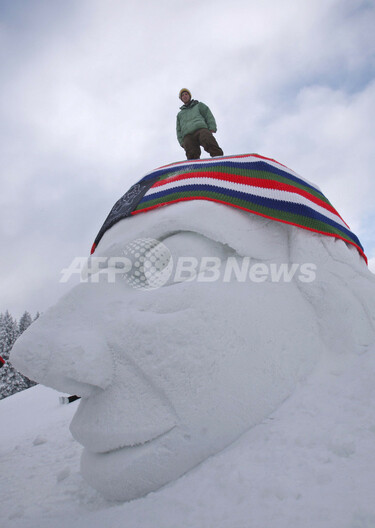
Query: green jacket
[[192, 117]]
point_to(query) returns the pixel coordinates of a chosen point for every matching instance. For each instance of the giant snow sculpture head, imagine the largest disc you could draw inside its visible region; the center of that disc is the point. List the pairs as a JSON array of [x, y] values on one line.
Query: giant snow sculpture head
[[172, 374]]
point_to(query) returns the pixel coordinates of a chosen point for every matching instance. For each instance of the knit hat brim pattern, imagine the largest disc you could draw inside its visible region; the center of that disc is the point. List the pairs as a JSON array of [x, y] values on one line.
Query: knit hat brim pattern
[[250, 182]]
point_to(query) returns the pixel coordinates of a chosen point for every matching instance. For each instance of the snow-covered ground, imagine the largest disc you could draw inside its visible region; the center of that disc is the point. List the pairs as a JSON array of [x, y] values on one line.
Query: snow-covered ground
[[310, 464]]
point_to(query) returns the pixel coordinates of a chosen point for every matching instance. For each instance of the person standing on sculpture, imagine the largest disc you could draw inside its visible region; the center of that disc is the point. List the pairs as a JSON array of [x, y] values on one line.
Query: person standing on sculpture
[[195, 127]]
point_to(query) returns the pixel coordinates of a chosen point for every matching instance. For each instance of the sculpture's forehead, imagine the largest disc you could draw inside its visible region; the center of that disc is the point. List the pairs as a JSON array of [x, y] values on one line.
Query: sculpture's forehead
[[246, 233]]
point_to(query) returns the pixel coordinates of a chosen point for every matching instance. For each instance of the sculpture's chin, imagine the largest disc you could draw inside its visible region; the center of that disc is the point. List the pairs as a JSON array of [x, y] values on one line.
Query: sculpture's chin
[[132, 472]]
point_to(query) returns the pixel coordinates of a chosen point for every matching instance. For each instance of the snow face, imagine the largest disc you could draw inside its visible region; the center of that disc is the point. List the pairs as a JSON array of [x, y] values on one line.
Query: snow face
[[171, 375]]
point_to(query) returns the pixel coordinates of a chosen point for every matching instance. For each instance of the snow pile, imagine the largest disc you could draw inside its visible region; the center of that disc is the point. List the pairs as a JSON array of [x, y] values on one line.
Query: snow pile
[[172, 375]]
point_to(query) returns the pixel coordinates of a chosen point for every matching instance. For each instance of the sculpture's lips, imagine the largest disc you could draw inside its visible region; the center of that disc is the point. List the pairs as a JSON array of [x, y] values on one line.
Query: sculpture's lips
[[105, 423], [129, 472], [136, 445], [129, 447]]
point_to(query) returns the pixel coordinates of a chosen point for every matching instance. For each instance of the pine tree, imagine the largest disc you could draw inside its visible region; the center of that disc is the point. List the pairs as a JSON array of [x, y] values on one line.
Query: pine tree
[[8, 334], [11, 381], [1, 337], [25, 322]]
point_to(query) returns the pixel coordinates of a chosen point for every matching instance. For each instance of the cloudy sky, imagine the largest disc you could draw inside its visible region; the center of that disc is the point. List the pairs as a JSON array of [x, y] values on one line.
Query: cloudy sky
[[89, 94]]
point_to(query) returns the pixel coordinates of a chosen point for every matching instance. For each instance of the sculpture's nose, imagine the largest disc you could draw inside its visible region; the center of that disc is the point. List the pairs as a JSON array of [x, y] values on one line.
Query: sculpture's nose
[[64, 355]]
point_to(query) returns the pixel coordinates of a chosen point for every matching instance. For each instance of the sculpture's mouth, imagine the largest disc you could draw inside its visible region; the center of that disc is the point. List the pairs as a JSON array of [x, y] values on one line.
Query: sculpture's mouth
[[137, 445], [110, 421], [131, 471]]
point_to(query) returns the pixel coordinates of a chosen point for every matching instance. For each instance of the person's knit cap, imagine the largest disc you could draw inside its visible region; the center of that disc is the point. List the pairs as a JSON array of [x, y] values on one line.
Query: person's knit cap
[[182, 91]]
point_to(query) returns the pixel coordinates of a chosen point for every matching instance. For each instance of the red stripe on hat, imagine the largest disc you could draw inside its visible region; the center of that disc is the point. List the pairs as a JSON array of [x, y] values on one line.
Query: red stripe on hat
[[250, 182]]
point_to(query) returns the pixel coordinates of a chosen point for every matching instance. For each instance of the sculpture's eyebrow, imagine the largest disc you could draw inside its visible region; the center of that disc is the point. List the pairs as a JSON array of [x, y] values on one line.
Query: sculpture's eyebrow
[[202, 235]]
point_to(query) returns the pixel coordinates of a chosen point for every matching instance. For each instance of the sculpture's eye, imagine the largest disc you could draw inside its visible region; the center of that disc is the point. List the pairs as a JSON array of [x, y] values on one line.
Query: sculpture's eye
[[149, 263], [192, 254]]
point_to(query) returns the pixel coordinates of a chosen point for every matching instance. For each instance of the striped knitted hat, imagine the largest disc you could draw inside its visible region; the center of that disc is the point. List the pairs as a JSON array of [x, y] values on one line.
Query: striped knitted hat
[[250, 182]]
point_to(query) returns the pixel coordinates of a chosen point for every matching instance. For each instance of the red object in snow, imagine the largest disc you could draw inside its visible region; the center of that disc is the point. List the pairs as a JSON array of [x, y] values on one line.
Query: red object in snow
[[2, 362]]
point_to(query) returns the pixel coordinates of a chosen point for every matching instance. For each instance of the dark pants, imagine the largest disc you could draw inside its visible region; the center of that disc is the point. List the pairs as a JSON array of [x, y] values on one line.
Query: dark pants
[[204, 137]]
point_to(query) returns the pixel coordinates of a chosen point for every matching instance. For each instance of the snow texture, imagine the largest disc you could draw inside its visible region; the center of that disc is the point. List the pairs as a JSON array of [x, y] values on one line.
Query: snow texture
[[173, 375]]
